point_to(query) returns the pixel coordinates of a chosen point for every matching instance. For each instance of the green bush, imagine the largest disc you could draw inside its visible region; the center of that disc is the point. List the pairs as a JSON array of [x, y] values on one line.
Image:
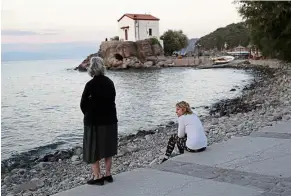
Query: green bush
[[174, 41], [154, 41], [115, 38]]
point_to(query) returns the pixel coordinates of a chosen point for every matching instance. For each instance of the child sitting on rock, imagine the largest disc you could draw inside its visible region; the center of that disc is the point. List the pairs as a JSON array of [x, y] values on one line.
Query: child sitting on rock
[[191, 136]]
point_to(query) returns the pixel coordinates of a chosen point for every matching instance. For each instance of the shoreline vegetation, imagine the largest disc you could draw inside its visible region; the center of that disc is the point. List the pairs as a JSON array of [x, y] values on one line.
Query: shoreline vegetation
[[262, 103]]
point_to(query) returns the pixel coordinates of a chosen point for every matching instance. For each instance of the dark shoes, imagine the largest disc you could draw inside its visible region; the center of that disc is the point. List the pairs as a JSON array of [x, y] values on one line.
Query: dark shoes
[[164, 159], [108, 178], [93, 181], [100, 181]]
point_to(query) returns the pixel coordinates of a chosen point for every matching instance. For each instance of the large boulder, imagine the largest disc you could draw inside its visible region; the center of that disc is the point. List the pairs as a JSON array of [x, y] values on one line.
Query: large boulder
[[148, 64], [157, 50], [132, 62], [144, 49], [108, 47], [126, 49]]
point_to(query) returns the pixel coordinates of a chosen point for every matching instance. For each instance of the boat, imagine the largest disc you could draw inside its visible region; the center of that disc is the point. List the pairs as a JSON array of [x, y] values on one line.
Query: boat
[[222, 60]]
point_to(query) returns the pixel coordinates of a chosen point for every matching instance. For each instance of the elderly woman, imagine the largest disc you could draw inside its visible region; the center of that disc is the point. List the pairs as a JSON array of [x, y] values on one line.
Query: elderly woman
[[100, 121], [190, 136]]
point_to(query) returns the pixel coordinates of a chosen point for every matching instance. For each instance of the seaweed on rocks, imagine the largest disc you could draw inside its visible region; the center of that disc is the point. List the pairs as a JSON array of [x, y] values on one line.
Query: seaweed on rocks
[[33, 157], [244, 104]]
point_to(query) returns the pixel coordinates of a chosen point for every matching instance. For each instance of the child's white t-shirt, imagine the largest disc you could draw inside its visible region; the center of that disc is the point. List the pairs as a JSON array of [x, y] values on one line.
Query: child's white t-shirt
[[191, 125]]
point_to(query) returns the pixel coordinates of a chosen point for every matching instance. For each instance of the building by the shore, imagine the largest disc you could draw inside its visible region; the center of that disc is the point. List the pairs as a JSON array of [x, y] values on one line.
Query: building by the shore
[[239, 52], [245, 52], [134, 27]]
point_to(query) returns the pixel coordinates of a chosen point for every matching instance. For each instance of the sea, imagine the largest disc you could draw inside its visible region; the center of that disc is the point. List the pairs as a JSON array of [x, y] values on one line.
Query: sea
[[40, 100]]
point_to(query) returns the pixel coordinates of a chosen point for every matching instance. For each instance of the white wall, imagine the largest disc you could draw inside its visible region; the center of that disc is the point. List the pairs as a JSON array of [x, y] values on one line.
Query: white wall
[[142, 31], [126, 21], [144, 26]]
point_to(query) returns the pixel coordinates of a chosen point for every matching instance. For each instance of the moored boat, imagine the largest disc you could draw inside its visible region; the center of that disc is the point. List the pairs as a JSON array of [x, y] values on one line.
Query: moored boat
[[222, 60]]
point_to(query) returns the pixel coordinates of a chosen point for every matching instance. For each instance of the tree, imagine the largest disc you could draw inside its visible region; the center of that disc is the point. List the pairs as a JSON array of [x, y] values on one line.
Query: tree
[[270, 26], [115, 38], [174, 41]]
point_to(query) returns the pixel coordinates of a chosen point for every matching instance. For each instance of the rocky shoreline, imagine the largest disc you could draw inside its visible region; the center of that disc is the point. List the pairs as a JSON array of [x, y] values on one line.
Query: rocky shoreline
[[262, 103]]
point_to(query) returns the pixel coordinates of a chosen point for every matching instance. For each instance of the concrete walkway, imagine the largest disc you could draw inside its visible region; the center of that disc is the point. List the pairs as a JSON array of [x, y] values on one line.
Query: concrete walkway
[[256, 165]]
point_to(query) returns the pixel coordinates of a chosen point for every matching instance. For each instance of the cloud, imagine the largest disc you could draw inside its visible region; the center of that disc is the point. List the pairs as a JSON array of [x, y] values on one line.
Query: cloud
[[24, 33]]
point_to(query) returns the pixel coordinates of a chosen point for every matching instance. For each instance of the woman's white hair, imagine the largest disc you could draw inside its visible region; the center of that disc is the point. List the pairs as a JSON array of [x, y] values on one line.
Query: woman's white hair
[[96, 67]]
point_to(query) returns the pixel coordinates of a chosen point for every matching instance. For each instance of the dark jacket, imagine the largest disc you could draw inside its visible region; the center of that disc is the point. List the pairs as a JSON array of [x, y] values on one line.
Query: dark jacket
[[98, 102]]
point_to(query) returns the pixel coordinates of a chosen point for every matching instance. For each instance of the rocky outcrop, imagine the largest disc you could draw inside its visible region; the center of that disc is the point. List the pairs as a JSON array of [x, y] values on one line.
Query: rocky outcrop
[[122, 55], [83, 66]]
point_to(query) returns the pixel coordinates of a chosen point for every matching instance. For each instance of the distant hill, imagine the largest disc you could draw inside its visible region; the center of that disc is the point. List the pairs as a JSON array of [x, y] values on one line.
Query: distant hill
[[234, 34]]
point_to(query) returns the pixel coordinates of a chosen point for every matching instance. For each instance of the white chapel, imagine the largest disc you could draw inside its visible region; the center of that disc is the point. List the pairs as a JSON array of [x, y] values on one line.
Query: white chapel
[[134, 27]]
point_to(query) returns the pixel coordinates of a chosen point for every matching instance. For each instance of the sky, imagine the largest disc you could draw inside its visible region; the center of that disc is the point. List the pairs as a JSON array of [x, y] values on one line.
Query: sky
[[58, 21]]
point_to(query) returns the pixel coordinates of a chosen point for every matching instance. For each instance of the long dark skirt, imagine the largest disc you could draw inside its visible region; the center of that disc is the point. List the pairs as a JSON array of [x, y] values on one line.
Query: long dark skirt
[[99, 142]]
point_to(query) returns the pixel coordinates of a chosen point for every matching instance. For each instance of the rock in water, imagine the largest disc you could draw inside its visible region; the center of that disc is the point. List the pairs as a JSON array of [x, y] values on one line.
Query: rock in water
[[85, 64]]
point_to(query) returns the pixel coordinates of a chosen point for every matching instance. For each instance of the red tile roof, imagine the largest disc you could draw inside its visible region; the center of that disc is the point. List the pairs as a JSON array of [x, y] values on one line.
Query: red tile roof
[[140, 17]]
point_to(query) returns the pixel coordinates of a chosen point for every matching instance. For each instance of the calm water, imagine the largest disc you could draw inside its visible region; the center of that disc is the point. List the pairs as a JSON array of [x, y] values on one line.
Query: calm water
[[40, 100]]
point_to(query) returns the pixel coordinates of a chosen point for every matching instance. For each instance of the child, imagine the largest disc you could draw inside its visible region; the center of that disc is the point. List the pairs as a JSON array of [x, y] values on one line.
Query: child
[[190, 136]]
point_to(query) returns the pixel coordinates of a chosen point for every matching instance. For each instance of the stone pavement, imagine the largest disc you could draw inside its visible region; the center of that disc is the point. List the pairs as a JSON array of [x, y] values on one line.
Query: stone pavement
[[255, 165]]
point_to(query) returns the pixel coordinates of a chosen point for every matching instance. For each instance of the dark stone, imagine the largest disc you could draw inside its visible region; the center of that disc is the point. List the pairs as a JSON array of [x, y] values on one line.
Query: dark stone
[[142, 133], [46, 158], [126, 137], [171, 123], [64, 154], [233, 89], [81, 69]]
